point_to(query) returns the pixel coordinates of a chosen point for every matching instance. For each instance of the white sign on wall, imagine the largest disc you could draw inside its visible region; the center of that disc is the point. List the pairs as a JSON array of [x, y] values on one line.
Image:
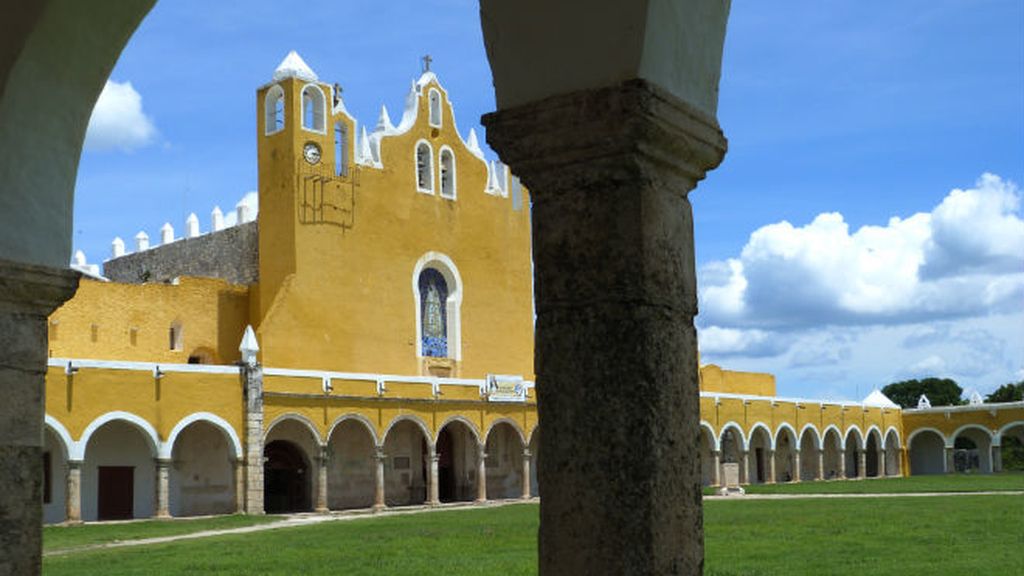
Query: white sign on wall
[[505, 388]]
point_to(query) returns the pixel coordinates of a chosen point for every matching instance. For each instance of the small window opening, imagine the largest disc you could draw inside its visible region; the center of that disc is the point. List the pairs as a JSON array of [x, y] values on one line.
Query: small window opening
[[274, 110], [312, 109], [435, 108], [175, 336], [133, 336], [447, 174], [424, 173], [54, 324], [340, 149], [94, 332]]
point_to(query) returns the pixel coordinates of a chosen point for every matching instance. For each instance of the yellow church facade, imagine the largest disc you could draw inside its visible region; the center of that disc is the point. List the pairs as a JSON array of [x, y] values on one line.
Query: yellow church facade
[[367, 342]]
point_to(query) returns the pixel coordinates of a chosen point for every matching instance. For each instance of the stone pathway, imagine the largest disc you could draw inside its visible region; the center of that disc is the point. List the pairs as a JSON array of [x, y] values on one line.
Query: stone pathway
[[289, 521]]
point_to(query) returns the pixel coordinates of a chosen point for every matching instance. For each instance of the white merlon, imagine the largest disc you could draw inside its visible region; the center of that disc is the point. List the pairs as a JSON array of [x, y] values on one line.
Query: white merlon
[[141, 242], [244, 212], [216, 219], [249, 347], [384, 121], [474, 145], [975, 399], [166, 234], [192, 226], [923, 402], [117, 247], [79, 263], [365, 155], [293, 66], [79, 258]]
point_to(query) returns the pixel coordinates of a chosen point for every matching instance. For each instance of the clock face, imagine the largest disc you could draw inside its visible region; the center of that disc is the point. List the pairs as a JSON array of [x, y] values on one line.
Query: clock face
[[311, 152]]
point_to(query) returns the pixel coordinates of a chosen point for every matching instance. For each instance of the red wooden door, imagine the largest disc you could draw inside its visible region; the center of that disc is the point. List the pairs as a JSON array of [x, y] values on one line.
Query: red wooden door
[[116, 493]]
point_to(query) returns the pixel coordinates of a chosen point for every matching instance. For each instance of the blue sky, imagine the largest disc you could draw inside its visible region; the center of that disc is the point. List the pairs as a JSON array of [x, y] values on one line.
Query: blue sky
[[841, 116]]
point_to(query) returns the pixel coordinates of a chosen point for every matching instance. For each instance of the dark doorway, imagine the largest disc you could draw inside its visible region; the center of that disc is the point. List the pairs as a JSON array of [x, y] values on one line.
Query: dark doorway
[[116, 493], [759, 463], [446, 466], [285, 478]]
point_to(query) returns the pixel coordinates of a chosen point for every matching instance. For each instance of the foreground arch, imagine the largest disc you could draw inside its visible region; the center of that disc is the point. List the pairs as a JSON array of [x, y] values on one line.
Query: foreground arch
[[927, 448]]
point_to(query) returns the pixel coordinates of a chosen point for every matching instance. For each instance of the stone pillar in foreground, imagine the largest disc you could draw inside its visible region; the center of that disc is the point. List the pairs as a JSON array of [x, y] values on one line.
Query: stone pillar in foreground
[[950, 461], [841, 473], [378, 480], [882, 464], [163, 488], [73, 495], [238, 471], [434, 497], [28, 294], [481, 473], [252, 380], [745, 467], [322, 461], [997, 458], [609, 170], [716, 465], [771, 466], [526, 474], [862, 463], [797, 471]]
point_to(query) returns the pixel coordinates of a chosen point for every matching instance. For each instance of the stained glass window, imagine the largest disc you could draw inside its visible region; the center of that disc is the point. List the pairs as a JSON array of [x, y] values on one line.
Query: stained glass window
[[434, 320]]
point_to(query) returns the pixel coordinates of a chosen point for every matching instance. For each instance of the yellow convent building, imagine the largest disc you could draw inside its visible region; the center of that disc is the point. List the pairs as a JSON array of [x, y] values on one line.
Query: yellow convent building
[[367, 341]]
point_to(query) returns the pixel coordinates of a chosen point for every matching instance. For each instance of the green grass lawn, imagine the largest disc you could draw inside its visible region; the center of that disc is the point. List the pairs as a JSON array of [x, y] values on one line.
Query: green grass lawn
[[61, 537], [906, 536], [936, 483]]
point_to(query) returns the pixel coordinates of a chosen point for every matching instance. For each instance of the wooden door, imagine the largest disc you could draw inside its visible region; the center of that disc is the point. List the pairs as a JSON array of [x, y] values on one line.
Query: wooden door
[[116, 496]]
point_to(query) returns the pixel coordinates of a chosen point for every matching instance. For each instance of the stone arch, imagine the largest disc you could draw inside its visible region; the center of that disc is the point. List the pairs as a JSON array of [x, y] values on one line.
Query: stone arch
[[148, 432], [504, 463], [759, 447], [415, 420], [406, 444], [351, 450], [852, 452], [926, 450], [859, 437], [965, 458], [810, 443], [515, 426], [58, 429], [118, 452], [997, 439], [291, 416], [463, 420], [216, 421], [786, 446], [708, 447], [874, 452], [892, 451], [57, 447], [1008, 446], [832, 452], [457, 448]]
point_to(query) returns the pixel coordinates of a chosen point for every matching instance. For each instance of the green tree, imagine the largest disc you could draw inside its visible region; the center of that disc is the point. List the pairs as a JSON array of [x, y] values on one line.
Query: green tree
[[1007, 393], [940, 392]]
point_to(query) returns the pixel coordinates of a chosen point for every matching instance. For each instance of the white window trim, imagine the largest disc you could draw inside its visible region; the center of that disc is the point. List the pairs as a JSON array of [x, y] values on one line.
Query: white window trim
[[270, 112], [416, 166], [430, 108], [454, 174], [323, 110], [453, 305]]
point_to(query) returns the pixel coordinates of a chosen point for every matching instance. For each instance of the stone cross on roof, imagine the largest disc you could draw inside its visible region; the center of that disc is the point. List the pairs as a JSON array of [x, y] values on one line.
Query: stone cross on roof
[[426, 63]]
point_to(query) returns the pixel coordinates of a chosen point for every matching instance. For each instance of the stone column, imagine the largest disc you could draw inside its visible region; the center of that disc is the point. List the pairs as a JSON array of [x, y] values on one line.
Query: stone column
[[862, 463], [820, 474], [526, 473], [997, 458], [322, 462], [252, 380], [73, 494], [434, 498], [745, 467], [842, 464], [238, 469], [950, 462], [796, 466], [771, 466], [163, 488], [28, 294], [481, 473], [609, 171], [378, 478], [883, 464], [716, 465]]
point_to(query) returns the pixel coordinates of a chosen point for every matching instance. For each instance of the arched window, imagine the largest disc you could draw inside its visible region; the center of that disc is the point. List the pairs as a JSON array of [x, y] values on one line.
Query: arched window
[[447, 173], [437, 290], [433, 313], [340, 149], [273, 106], [424, 168], [313, 108], [435, 107]]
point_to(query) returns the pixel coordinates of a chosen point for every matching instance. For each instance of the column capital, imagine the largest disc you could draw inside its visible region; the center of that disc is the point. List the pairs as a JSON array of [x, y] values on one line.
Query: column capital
[[527, 453], [378, 455], [621, 131], [33, 288]]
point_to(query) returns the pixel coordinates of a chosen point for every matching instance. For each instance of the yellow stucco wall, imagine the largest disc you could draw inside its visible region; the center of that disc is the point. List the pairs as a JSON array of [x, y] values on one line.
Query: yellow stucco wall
[[949, 421], [714, 379], [111, 321]]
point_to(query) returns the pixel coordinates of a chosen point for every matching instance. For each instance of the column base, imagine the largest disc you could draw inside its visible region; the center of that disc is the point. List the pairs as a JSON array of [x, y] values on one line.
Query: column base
[[379, 508], [322, 510]]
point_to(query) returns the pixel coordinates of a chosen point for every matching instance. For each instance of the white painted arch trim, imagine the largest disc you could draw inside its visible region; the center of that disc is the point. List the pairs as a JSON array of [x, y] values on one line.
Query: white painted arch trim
[[65, 437], [859, 436], [167, 448], [316, 89], [454, 173], [463, 420], [998, 439], [416, 421], [354, 417], [892, 430], [453, 306], [792, 433], [510, 422], [274, 93], [951, 439], [919, 431], [715, 444], [818, 437], [839, 435], [145, 427], [430, 166], [873, 429], [298, 418], [739, 431], [767, 432]]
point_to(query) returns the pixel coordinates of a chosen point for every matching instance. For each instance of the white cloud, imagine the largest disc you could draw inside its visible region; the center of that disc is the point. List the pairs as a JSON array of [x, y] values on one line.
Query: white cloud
[[730, 341], [252, 200], [118, 121], [961, 259]]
